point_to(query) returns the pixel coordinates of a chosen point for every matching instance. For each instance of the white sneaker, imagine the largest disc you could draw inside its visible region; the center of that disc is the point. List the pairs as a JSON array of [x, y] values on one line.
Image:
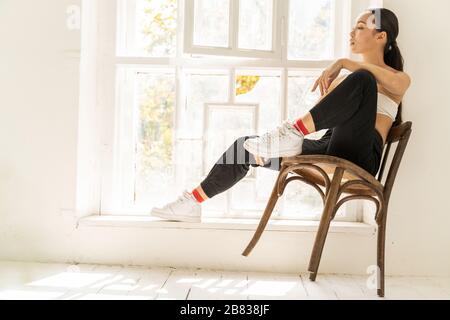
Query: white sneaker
[[185, 209], [284, 141]]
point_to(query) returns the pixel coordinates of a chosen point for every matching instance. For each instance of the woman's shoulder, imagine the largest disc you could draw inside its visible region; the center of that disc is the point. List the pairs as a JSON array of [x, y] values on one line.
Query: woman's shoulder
[[396, 71], [405, 80]]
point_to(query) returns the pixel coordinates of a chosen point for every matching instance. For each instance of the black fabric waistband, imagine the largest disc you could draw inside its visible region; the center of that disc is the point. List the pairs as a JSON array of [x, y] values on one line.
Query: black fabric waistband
[[379, 137]]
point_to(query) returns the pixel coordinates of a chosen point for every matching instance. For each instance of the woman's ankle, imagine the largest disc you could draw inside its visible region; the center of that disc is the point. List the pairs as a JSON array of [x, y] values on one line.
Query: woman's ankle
[[305, 124], [199, 194]]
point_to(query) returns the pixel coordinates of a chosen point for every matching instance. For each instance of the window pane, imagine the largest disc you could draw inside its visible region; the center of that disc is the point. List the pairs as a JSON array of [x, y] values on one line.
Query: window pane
[[189, 164], [147, 28], [300, 97], [155, 95], [216, 207], [310, 29], [224, 125], [244, 202], [211, 22], [255, 24], [201, 87], [301, 201], [250, 196], [262, 87]]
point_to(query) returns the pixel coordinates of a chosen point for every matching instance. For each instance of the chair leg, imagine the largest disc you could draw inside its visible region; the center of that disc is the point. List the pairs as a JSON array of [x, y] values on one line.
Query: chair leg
[[381, 244], [265, 217], [319, 243]]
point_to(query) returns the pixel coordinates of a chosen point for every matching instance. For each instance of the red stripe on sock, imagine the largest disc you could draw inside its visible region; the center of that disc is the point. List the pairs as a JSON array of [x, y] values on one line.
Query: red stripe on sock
[[300, 126], [197, 196]]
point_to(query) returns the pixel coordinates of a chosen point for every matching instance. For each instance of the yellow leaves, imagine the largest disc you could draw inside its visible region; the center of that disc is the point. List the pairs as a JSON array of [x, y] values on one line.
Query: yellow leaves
[[158, 19], [245, 84], [159, 25]]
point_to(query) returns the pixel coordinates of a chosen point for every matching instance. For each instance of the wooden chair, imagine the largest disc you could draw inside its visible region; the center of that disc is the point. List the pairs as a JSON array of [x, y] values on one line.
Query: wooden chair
[[333, 177]]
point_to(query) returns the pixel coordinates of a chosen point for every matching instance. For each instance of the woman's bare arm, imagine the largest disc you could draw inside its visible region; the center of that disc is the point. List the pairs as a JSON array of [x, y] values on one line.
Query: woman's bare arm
[[395, 82]]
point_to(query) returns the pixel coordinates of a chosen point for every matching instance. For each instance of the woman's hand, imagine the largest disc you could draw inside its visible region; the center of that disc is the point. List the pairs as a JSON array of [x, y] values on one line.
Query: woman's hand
[[327, 77]]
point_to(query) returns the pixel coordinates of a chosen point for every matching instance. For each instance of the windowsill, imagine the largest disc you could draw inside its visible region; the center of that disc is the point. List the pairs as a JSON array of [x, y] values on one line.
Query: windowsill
[[224, 224]]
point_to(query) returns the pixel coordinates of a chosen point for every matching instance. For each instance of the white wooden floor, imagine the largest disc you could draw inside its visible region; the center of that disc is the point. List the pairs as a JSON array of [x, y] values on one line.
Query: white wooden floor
[[82, 281]]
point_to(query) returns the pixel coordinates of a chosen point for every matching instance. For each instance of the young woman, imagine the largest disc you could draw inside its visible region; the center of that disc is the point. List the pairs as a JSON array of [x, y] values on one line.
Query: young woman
[[358, 110]]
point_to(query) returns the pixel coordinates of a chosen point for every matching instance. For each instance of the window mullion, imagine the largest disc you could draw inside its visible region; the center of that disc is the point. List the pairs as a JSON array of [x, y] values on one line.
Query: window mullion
[[234, 25], [180, 37], [342, 21], [176, 120], [106, 70], [131, 23], [232, 92], [279, 29], [222, 63], [188, 39]]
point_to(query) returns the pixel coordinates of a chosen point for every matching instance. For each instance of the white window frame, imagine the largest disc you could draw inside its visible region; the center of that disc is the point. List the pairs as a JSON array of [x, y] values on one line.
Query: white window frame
[[279, 7], [280, 31], [109, 59]]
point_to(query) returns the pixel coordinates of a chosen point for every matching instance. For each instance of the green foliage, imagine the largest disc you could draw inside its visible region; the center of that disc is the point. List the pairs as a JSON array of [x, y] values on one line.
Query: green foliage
[[155, 131]]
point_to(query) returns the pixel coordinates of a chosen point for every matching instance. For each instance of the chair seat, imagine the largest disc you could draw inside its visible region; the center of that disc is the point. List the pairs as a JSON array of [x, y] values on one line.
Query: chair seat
[[329, 164]]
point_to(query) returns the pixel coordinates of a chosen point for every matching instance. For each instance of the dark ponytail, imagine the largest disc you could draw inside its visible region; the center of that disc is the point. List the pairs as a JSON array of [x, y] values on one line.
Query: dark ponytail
[[386, 20]]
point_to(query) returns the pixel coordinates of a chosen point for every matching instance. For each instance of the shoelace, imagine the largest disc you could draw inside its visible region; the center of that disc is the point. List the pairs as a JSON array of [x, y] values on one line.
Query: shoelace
[[280, 132], [184, 197]]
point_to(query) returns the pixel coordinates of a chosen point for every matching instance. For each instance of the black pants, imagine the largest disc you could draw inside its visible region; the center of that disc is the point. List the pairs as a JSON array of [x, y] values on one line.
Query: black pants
[[349, 114]]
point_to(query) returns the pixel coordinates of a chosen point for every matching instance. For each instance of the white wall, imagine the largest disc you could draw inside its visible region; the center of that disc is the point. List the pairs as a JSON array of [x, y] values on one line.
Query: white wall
[[39, 101], [418, 237], [39, 78]]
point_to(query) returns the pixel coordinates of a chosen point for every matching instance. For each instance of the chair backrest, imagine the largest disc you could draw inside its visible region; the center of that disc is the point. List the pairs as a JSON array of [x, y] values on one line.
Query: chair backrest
[[399, 134]]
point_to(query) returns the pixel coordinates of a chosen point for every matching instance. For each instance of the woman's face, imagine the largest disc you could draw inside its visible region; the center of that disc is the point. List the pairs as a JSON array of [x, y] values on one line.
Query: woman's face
[[363, 37]]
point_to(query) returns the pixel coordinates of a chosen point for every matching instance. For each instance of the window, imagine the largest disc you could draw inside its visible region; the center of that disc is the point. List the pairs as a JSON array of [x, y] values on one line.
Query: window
[[250, 28], [180, 80]]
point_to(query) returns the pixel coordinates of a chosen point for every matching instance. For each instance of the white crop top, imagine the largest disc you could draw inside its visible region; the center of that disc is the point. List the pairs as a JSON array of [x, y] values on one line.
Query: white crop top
[[387, 106]]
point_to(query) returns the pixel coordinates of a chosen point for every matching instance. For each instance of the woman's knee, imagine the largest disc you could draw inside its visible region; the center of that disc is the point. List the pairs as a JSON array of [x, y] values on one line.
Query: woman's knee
[[363, 75]]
